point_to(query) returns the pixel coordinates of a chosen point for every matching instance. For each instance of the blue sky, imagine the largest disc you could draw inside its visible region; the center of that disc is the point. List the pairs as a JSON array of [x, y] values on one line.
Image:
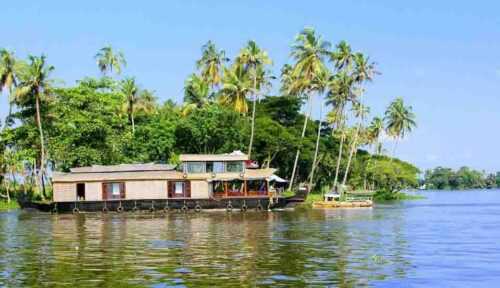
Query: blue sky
[[443, 57]]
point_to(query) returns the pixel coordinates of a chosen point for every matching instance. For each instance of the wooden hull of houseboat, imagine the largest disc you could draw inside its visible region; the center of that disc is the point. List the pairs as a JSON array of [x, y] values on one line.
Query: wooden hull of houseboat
[[164, 205]]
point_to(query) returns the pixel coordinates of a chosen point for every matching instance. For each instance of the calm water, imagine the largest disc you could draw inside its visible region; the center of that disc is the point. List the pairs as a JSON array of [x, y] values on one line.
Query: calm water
[[450, 239]]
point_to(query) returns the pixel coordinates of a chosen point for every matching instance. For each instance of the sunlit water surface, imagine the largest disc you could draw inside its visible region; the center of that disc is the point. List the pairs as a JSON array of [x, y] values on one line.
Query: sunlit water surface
[[450, 239]]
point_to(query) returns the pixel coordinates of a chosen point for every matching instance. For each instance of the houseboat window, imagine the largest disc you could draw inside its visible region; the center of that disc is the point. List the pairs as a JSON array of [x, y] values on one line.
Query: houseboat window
[[114, 190], [215, 167], [218, 167], [234, 166], [80, 191], [210, 167], [235, 187], [195, 167], [179, 188], [257, 186], [217, 187]]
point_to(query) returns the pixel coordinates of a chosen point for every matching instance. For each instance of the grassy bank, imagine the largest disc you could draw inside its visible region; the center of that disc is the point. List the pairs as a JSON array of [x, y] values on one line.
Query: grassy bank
[[381, 196], [4, 206]]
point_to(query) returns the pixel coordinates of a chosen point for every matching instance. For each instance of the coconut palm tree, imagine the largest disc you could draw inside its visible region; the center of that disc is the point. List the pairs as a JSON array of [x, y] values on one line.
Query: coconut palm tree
[[375, 129], [400, 120], [342, 57], [360, 111], [319, 84], [373, 133], [309, 52], [13, 166], [9, 67], [211, 64], [341, 92], [130, 91], [196, 94], [35, 86], [196, 91], [235, 88], [253, 59], [364, 70], [109, 60], [146, 102]]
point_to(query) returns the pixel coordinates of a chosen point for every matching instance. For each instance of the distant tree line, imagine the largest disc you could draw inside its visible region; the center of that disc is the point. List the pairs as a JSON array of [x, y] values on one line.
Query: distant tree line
[[442, 178], [227, 106]]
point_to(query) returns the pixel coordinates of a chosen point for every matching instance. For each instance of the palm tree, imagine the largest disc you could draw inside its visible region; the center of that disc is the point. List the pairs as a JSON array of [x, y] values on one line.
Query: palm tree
[[309, 52], [364, 69], [146, 102], [341, 92], [130, 90], [319, 84], [400, 120], [360, 112], [35, 84], [253, 59], [9, 68], [342, 57], [375, 131], [236, 86], [109, 60], [13, 165], [196, 91], [211, 64]]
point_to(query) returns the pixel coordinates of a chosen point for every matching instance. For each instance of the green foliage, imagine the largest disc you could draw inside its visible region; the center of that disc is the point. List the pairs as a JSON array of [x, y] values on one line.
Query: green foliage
[[391, 175], [93, 131], [442, 178], [107, 121], [211, 129]]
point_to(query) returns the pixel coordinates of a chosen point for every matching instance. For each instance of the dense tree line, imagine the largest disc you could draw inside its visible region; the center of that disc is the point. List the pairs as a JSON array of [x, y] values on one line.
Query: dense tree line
[[228, 105], [442, 178]]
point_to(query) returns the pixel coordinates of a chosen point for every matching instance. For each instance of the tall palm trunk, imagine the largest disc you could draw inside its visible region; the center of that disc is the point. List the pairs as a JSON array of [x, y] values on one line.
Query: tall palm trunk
[[351, 154], [42, 144], [339, 156], [316, 149], [131, 116], [368, 164], [253, 117], [301, 138], [10, 108], [394, 149]]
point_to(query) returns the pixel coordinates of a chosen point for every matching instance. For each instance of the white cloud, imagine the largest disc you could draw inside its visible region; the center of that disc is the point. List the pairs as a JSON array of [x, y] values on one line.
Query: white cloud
[[497, 72]]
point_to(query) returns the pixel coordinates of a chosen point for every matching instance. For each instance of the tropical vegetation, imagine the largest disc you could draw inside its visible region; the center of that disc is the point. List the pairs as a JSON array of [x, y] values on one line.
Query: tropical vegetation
[[442, 178], [228, 105]]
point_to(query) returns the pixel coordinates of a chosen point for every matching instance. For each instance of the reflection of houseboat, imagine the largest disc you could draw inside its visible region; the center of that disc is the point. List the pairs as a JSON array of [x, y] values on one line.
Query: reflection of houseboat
[[200, 182]]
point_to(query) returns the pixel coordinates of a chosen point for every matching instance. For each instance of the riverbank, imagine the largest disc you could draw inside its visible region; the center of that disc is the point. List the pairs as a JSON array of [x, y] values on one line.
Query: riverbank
[[4, 206]]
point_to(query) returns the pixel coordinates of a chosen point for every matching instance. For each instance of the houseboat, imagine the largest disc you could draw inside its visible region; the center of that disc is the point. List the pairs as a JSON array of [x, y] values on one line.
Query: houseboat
[[200, 181]]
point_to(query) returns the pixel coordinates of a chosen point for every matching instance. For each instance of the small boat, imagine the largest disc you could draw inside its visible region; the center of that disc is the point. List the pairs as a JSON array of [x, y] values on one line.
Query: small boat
[[354, 199]]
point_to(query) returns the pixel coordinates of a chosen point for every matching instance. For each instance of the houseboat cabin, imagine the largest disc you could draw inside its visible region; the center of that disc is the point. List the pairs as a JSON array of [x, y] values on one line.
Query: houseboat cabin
[[199, 178]]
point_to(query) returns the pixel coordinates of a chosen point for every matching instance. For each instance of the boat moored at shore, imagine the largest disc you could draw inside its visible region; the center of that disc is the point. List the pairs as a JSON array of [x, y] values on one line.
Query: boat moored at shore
[[200, 181]]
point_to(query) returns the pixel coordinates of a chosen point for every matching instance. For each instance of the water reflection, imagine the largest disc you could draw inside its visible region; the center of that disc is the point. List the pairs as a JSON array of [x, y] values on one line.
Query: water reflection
[[291, 248]]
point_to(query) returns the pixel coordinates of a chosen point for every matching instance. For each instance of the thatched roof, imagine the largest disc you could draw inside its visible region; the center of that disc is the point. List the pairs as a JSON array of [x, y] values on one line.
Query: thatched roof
[[157, 175], [123, 168], [115, 176]]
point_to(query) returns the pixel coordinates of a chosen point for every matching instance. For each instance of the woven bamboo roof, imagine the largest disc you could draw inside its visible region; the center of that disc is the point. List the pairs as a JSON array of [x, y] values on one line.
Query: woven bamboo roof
[[123, 168], [157, 175]]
